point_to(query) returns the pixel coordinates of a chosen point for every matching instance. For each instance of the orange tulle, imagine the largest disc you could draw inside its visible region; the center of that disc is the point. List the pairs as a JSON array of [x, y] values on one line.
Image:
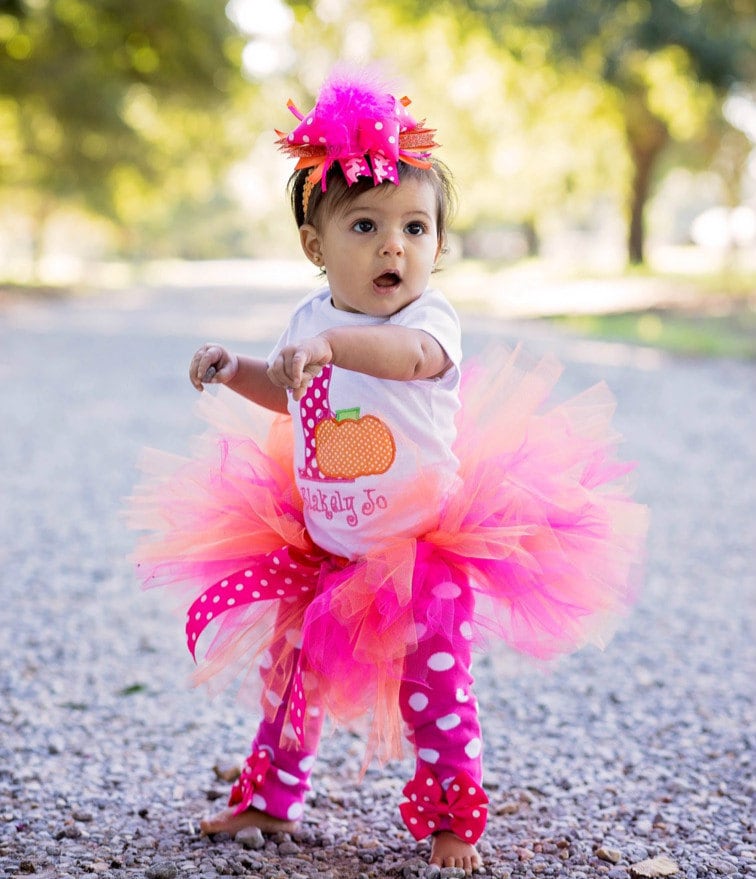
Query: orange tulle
[[541, 528]]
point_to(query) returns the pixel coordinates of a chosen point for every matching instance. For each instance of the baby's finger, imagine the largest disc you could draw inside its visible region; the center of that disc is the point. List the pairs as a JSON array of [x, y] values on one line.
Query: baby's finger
[[297, 368]]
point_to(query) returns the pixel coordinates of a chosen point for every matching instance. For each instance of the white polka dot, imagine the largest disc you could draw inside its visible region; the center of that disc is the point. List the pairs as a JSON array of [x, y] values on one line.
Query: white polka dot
[[306, 763], [473, 748], [430, 755], [259, 802], [418, 701], [231, 602], [295, 811], [447, 590], [465, 630], [462, 697], [287, 778], [468, 833], [449, 721], [441, 662], [379, 126]]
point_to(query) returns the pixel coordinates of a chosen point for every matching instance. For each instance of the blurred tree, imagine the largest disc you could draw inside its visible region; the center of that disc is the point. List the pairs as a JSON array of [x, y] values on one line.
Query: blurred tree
[[100, 100], [511, 127], [668, 62]]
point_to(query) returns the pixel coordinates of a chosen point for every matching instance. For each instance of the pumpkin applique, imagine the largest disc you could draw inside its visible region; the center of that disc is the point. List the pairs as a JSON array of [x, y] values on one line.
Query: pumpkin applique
[[349, 446]]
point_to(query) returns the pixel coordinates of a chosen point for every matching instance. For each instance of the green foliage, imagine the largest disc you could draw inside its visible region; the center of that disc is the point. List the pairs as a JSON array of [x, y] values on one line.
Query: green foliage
[[99, 99], [693, 333], [664, 64]]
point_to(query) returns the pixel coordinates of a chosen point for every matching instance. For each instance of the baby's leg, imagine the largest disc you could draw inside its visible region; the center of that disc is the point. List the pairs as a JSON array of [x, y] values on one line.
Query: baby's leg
[[271, 790], [441, 712]]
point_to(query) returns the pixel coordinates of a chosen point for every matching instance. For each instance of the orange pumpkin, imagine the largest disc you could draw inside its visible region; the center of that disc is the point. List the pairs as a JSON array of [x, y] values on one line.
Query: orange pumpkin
[[354, 447]]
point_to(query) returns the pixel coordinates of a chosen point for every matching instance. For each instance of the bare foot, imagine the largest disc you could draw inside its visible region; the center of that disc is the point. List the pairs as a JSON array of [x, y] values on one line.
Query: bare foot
[[226, 822], [448, 850]]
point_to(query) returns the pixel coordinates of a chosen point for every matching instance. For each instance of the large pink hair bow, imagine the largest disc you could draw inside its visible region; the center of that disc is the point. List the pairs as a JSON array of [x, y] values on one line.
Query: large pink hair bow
[[358, 124]]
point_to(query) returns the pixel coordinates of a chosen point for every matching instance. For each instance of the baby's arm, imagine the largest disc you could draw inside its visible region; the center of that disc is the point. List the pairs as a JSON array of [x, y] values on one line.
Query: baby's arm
[[385, 351], [248, 376]]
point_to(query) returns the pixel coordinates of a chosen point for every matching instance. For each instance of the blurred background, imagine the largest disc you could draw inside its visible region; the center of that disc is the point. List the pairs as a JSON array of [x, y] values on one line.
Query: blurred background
[[593, 138]]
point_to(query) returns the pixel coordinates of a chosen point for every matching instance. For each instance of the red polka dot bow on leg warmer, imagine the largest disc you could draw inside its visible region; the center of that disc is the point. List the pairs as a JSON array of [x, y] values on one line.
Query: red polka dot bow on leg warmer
[[461, 808], [251, 779]]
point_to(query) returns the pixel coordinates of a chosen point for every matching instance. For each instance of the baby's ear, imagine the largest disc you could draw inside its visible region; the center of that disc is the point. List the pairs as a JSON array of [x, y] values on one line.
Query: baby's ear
[[310, 241]]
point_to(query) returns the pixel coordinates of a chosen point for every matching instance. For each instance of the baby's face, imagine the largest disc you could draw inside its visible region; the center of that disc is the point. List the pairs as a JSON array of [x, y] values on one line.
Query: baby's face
[[380, 249]]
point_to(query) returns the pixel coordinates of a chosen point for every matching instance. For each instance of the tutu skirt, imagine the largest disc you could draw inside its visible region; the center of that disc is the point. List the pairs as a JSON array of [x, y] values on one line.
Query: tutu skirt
[[540, 538]]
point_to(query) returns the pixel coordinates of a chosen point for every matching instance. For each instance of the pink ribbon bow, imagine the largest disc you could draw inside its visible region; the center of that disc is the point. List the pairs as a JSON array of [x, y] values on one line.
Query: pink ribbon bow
[[251, 779], [461, 808], [284, 573]]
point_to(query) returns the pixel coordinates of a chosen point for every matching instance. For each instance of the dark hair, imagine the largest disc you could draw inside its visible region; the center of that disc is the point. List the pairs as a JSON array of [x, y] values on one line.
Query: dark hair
[[338, 193]]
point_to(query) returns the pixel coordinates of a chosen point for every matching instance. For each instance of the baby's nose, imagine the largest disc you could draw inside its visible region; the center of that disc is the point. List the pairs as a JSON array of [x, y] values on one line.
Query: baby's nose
[[392, 244]]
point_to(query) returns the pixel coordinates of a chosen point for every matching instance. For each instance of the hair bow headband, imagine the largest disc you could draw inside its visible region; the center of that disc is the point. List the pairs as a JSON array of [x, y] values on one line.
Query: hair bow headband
[[357, 124]]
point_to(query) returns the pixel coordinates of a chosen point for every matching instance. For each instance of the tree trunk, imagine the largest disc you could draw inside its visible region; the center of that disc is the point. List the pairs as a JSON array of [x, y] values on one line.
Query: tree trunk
[[647, 136]]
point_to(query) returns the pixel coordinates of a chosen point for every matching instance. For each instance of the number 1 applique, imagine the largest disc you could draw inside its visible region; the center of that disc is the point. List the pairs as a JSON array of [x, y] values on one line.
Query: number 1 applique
[[341, 445]]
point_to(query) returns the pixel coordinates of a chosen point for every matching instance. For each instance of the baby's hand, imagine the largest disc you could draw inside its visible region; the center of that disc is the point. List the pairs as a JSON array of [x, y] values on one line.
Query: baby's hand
[[298, 364], [212, 364]]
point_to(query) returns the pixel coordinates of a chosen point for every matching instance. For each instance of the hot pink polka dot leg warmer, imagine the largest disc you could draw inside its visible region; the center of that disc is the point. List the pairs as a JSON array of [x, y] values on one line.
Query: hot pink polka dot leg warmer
[[441, 712]]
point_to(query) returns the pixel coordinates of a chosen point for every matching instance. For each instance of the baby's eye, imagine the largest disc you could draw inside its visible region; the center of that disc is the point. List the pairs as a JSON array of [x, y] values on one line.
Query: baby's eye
[[364, 226], [416, 228]]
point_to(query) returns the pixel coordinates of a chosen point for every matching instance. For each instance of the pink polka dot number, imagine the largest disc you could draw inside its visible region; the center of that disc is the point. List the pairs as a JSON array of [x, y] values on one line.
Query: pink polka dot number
[[314, 408]]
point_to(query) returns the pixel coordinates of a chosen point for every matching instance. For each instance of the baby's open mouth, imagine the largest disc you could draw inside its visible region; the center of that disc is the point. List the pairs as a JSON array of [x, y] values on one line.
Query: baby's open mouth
[[387, 279]]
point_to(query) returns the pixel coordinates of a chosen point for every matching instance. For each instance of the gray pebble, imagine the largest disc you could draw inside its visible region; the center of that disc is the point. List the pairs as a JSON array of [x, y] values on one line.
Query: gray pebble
[[251, 838], [161, 870]]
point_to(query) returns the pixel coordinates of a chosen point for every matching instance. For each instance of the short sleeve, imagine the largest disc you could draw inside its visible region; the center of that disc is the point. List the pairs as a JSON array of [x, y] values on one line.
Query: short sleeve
[[434, 314]]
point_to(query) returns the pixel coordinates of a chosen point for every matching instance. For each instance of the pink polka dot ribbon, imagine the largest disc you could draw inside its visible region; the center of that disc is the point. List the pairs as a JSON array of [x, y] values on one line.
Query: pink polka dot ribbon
[[251, 780], [283, 574], [461, 808]]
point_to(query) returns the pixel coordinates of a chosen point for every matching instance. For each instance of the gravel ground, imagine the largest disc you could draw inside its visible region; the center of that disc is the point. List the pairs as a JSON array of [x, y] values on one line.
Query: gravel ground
[[595, 766]]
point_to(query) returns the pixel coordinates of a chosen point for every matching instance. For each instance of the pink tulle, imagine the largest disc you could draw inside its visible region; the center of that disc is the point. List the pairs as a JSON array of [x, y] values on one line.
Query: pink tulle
[[541, 528]]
